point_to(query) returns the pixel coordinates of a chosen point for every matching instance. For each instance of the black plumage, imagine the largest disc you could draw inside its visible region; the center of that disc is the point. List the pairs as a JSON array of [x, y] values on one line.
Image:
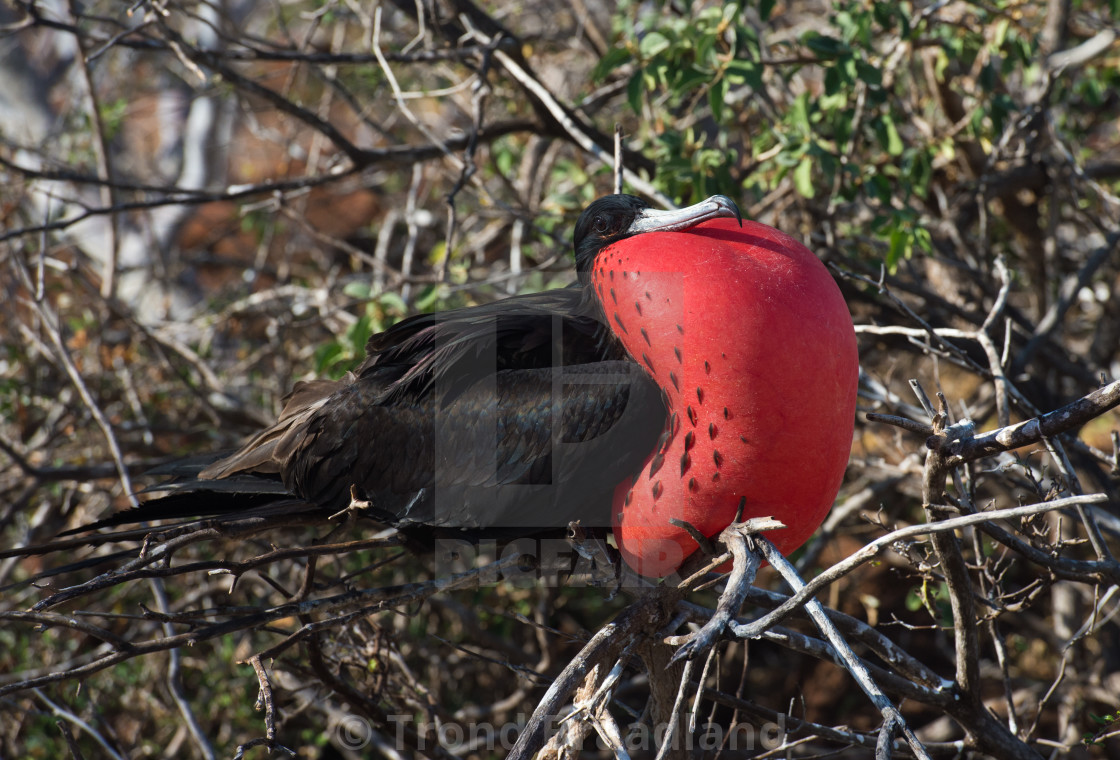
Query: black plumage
[[521, 414]]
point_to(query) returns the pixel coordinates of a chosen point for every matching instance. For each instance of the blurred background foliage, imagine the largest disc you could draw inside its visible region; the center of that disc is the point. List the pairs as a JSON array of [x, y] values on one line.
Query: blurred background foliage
[[208, 201]]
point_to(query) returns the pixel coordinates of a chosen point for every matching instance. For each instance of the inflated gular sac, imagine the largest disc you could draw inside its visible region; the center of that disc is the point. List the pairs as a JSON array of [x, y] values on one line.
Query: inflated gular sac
[[751, 341]]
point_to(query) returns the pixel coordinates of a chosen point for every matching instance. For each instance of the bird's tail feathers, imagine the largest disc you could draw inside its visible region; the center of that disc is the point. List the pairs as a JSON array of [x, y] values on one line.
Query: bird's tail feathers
[[194, 499]]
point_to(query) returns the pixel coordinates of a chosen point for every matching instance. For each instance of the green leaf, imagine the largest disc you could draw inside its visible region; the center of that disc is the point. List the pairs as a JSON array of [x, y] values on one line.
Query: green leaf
[[743, 71], [827, 166], [825, 46], [707, 54], [880, 188], [356, 289], [690, 79], [799, 114], [894, 142], [803, 178], [835, 102], [503, 159], [717, 95], [917, 167], [391, 301], [614, 58], [652, 44], [940, 65], [327, 356], [914, 599], [709, 17], [868, 74], [923, 239], [1001, 32], [437, 252], [634, 92], [900, 247], [427, 298], [358, 333]]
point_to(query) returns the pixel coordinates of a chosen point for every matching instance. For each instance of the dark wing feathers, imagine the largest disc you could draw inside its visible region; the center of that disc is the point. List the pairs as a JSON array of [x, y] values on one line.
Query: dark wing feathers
[[258, 454], [510, 452], [523, 412], [446, 350]]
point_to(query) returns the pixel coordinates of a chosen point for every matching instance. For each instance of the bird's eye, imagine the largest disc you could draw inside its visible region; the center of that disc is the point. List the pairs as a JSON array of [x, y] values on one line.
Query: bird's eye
[[600, 225]]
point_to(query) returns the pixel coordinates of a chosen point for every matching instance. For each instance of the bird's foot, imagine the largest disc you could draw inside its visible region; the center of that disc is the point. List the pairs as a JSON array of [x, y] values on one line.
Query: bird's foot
[[602, 561], [355, 506], [745, 563]]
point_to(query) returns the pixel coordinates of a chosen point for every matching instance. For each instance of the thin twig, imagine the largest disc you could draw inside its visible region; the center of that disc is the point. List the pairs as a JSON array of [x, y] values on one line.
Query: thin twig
[[892, 718], [871, 549], [52, 328]]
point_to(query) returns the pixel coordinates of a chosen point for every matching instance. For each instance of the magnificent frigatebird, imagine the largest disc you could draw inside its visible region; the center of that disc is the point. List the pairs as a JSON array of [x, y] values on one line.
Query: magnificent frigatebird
[[700, 366]]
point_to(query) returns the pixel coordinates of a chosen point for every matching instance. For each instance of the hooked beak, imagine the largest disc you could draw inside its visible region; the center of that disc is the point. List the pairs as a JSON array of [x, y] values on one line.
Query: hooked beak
[[654, 220]]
